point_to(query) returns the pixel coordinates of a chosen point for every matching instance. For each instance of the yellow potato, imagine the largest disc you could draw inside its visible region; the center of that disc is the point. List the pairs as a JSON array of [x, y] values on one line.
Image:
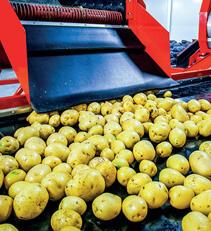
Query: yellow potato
[[110, 138], [158, 133], [129, 138], [164, 149], [174, 123], [165, 104], [27, 158], [51, 161], [57, 138], [37, 173], [150, 105], [155, 194], [202, 202], [26, 133], [134, 125], [87, 184], [148, 167], [200, 163], [197, 183], [106, 108], [142, 115], [126, 116], [134, 208], [63, 167], [30, 202], [74, 203], [180, 196], [80, 107], [124, 174], [1, 177], [79, 168], [7, 227], [14, 176], [117, 146], [40, 118], [136, 182], [128, 106], [112, 118], [206, 147], [191, 128], [205, 104], [69, 117], [127, 155], [65, 217], [161, 119], [69, 132], [119, 162], [196, 118], [107, 153], [96, 161], [96, 130], [205, 127], [177, 137], [36, 144], [195, 221], [45, 131], [194, 105], [144, 150], [107, 206], [54, 121], [167, 94], [58, 150], [8, 145], [179, 163], [81, 136], [171, 177], [100, 142], [94, 107], [17, 187], [209, 216], [8, 163], [69, 228], [112, 128], [6, 207], [179, 113], [140, 98], [147, 126]]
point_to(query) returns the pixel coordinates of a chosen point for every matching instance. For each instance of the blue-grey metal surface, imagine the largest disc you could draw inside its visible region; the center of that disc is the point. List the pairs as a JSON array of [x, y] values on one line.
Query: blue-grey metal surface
[[72, 65]]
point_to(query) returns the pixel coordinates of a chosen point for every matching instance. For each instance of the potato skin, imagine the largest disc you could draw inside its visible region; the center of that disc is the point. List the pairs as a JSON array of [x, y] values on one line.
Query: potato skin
[[124, 174], [36, 144], [14, 176], [8, 145], [65, 217], [134, 208], [6, 207], [17, 187], [8, 163], [148, 167], [7, 227], [107, 206], [1, 177], [143, 150], [57, 149], [177, 137], [30, 202]]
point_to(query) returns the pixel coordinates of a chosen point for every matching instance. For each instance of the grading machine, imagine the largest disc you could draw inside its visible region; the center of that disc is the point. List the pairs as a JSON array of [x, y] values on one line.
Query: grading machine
[[80, 51]]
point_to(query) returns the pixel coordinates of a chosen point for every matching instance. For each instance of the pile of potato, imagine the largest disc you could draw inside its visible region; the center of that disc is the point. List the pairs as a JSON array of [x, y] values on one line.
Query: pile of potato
[[75, 156]]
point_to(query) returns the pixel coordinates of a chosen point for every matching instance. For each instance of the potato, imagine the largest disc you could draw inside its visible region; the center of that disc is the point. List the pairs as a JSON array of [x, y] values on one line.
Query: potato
[[150, 105], [96, 130], [45, 131], [1, 177], [148, 167], [128, 106], [154, 193], [107, 206], [171, 177], [179, 113], [147, 126], [142, 115], [161, 119], [69, 132], [85, 123], [167, 94], [134, 208], [119, 162], [202, 202], [79, 168], [36, 144], [129, 138], [63, 167], [8, 163], [174, 123], [179, 163], [54, 121], [8, 145], [196, 118], [209, 216], [88, 184], [100, 120], [197, 183], [80, 107], [205, 127], [124, 174], [100, 142], [57, 138], [164, 149], [158, 133], [40, 118], [127, 98], [57, 149], [96, 161], [81, 136], [140, 98], [26, 133], [127, 155], [191, 128], [69, 117], [30, 202], [136, 182], [106, 108], [154, 113], [206, 147], [194, 105], [195, 221], [112, 128], [17, 187], [180, 196], [74, 203], [134, 125], [14, 176], [165, 104], [27, 158], [69, 228], [7, 227], [205, 104], [51, 161], [200, 163], [144, 150], [37, 173], [117, 146], [94, 107], [6, 207], [112, 118], [65, 217], [107, 153], [177, 137], [126, 116]]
